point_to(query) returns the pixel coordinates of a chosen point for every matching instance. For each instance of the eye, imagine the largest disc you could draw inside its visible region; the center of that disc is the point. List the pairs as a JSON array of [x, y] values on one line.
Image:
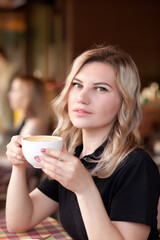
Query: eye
[[76, 84], [101, 89]]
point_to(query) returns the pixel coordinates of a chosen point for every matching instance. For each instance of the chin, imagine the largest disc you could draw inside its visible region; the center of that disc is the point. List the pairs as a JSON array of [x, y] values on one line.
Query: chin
[[82, 126], [79, 123], [78, 126]]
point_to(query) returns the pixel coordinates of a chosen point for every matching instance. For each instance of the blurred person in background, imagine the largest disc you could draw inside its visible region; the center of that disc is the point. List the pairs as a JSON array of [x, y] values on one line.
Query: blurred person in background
[[28, 95]]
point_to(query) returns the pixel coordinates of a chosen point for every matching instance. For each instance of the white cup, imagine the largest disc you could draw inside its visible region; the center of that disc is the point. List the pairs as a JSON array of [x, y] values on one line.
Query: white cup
[[31, 147]]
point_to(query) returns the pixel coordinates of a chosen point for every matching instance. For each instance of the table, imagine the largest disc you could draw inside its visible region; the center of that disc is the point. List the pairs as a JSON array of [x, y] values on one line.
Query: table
[[49, 229]]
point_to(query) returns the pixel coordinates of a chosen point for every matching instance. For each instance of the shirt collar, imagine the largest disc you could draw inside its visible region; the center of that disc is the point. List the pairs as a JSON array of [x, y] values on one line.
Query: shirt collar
[[95, 155]]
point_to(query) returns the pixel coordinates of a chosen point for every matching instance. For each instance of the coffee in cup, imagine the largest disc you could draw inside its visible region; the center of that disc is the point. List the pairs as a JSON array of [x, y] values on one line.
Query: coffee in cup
[[31, 147]]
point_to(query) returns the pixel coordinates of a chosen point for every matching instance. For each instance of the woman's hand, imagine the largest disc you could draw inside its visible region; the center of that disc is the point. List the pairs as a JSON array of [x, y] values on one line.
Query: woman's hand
[[14, 151], [66, 169]]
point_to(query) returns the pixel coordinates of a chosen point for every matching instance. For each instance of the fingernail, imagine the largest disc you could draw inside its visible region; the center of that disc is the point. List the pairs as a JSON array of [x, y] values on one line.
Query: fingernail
[[43, 150], [37, 158]]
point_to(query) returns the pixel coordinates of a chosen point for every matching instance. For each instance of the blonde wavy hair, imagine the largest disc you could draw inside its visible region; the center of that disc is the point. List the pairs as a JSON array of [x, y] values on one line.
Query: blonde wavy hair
[[124, 136]]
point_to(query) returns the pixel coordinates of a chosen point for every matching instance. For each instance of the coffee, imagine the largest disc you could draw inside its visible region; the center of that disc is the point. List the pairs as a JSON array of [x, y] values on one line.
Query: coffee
[[41, 138]]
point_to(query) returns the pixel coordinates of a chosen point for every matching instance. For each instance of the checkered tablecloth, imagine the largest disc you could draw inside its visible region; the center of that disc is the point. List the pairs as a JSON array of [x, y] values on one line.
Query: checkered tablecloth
[[49, 228]]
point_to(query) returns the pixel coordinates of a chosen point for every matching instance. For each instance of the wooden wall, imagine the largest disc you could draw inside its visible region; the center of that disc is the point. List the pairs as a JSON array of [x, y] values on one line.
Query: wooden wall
[[133, 25]]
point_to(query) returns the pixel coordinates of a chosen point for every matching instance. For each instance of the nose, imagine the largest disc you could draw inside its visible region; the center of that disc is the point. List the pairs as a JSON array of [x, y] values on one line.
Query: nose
[[83, 97]]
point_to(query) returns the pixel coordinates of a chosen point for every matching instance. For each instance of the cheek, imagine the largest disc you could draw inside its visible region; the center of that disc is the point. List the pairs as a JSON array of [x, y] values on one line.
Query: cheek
[[110, 107], [71, 99], [18, 99]]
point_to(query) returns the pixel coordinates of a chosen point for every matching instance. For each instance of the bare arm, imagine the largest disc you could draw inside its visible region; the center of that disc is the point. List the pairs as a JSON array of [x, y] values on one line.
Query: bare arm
[[97, 218], [35, 206]]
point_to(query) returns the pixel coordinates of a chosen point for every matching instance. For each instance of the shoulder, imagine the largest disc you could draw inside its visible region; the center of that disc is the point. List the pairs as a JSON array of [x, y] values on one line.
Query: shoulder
[[138, 173], [134, 189], [139, 157], [33, 120], [33, 126], [139, 165]]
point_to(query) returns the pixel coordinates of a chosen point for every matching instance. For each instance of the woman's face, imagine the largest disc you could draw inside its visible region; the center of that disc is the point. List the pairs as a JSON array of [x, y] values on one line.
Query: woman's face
[[94, 99], [16, 95]]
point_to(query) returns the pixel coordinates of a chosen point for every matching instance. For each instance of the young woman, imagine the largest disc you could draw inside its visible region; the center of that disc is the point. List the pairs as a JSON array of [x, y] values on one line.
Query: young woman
[[105, 185]]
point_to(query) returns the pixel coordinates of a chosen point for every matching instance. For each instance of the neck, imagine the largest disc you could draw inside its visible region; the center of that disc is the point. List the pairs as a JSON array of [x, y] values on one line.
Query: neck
[[92, 140]]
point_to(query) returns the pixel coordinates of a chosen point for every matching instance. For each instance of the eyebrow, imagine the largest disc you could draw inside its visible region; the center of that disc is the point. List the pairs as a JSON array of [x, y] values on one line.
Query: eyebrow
[[103, 83], [97, 83], [78, 80]]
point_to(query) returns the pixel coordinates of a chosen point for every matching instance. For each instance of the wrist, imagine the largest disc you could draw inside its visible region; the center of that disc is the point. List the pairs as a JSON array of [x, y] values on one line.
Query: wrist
[[19, 168], [89, 190]]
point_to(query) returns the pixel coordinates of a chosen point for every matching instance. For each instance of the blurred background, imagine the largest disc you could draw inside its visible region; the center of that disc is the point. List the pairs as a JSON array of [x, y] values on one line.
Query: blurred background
[[42, 37]]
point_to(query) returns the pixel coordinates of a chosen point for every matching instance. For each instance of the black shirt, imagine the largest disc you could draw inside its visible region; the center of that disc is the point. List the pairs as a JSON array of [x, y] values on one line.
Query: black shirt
[[130, 194]]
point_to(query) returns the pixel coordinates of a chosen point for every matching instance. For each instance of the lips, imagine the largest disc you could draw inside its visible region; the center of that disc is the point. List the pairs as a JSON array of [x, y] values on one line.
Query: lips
[[81, 112]]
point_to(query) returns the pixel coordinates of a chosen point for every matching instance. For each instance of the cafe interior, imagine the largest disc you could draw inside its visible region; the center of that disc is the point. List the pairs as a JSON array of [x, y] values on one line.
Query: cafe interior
[[42, 37]]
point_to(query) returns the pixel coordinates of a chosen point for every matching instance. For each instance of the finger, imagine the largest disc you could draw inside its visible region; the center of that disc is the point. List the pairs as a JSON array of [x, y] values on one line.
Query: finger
[[53, 175], [12, 147], [17, 156], [15, 152], [15, 161], [64, 149], [63, 177], [49, 160], [55, 171], [17, 140], [60, 155], [14, 158], [52, 164], [27, 135]]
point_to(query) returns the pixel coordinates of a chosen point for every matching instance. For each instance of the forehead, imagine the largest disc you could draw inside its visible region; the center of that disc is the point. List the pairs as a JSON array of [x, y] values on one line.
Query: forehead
[[96, 71], [16, 83]]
